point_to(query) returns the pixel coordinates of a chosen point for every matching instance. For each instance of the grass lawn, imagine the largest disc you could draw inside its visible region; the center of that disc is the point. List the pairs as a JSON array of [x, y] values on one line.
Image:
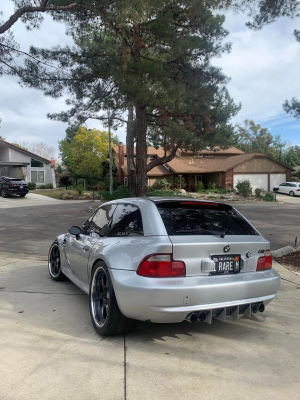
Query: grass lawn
[[63, 194]]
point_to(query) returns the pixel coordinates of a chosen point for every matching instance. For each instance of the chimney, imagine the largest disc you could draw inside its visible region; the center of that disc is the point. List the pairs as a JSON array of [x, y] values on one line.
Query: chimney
[[52, 163]]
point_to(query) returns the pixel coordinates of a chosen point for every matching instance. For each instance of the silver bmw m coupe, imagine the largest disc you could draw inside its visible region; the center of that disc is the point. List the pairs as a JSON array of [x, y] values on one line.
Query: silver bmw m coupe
[[165, 260]]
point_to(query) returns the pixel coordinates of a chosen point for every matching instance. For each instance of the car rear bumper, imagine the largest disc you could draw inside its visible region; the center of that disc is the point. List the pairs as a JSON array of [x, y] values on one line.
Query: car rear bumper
[[168, 300], [17, 191]]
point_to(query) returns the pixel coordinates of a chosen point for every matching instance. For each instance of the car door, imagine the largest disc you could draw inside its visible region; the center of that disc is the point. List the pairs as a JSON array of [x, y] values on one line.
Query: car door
[[93, 230], [282, 188]]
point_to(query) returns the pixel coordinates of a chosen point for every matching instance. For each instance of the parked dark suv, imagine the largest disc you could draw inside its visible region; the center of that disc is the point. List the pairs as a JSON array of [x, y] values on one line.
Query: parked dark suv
[[13, 186]]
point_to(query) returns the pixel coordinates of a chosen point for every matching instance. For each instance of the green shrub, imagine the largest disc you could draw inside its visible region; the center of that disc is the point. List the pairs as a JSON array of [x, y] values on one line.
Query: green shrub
[[212, 186], [79, 189], [177, 182], [120, 193], [31, 185], [258, 192], [269, 196], [162, 193], [244, 188], [49, 186], [42, 187], [200, 187], [65, 181], [161, 184], [224, 191]]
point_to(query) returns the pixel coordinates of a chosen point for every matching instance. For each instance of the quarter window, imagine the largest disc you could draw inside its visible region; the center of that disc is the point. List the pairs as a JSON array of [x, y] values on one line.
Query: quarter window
[[126, 221], [100, 221]]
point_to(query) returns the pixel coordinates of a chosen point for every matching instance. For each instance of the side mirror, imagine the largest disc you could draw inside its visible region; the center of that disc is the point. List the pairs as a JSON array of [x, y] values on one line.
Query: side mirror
[[75, 230]]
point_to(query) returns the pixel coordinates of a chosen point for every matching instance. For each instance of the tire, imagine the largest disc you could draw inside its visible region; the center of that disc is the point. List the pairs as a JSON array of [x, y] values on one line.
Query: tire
[[105, 313], [54, 263], [23, 195], [292, 194], [3, 193]]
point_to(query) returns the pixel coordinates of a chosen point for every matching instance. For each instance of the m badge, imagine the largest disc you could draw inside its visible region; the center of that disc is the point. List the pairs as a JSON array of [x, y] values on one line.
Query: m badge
[[226, 249]]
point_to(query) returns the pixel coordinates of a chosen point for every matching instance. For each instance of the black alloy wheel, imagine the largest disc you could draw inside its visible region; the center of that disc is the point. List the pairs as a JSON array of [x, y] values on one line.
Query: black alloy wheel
[[23, 195], [3, 192], [105, 313], [54, 263]]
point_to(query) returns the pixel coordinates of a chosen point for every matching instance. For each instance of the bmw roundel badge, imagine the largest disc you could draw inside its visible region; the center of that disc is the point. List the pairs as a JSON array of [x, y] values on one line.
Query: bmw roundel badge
[[226, 249]]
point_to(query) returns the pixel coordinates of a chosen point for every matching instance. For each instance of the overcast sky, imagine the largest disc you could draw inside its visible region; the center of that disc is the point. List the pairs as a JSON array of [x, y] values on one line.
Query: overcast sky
[[263, 66]]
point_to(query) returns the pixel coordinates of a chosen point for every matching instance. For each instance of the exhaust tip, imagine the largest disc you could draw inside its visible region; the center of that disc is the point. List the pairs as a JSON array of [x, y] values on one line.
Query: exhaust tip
[[202, 316], [254, 308], [192, 318], [261, 307]]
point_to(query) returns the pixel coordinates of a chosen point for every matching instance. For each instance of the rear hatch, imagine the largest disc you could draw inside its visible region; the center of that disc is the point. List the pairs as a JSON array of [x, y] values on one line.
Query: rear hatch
[[211, 238]]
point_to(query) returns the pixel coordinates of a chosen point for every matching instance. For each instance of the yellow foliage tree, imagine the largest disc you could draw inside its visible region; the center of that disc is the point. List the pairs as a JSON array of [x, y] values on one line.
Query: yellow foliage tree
[[84, 154]]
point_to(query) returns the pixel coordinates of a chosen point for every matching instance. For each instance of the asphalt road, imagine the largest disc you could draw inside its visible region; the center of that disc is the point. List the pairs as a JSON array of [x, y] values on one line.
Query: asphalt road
[[31, 230]]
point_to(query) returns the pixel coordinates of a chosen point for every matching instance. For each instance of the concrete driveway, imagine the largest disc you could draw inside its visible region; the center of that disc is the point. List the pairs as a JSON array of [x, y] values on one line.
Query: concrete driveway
[[49, 349], [285, 198], [31, 200]]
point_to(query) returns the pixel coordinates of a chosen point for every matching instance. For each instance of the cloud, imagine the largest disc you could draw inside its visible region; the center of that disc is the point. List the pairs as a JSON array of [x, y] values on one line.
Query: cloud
[[263, 66]]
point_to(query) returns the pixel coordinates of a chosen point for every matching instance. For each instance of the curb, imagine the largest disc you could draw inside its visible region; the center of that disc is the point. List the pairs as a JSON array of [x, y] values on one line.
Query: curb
[[284, 251]]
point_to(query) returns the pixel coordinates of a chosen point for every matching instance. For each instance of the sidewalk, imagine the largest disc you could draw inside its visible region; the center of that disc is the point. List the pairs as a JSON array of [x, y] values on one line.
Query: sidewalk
[[49, 349], [32, 199]]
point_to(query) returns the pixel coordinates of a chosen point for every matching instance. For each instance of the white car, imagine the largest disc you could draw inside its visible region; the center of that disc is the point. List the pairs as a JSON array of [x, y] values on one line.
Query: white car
[[291, 188]]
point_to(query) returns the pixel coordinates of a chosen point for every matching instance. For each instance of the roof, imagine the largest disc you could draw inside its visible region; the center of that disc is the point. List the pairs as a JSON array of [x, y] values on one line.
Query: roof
[[160, 151], [150, 151], [24, 151], [214, 150], [208, 165], [160, 170]]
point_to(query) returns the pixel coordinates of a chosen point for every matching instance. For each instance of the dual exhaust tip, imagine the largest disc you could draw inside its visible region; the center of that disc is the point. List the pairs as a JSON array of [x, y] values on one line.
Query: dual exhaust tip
[[257, 307], [193, 318], [201, 316]]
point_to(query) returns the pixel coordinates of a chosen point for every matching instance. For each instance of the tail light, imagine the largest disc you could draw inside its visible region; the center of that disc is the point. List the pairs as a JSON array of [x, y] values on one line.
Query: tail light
[[12, 186], [161, 266], [264, 262]]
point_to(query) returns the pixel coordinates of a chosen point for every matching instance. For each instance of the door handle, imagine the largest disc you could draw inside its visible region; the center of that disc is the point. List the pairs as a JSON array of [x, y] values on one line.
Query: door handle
[[86, 248]]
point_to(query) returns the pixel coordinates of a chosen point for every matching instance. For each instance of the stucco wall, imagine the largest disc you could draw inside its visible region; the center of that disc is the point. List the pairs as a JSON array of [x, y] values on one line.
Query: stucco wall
[[4, 154], [259, 165], [17, 157]]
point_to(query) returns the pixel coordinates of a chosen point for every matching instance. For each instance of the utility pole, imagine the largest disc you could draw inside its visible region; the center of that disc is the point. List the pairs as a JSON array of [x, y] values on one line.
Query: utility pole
[[110, 158]]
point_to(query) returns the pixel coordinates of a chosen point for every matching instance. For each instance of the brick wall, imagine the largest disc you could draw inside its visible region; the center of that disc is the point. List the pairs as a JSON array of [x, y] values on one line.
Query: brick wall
[[227, 179]]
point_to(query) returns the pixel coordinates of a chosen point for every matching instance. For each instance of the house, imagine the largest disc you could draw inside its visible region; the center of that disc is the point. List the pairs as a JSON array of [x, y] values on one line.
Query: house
[[222, 167], [20, 163]]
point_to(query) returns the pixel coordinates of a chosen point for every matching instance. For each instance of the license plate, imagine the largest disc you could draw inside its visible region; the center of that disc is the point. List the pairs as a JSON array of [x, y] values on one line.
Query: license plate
[[21, 187], [229, 264]]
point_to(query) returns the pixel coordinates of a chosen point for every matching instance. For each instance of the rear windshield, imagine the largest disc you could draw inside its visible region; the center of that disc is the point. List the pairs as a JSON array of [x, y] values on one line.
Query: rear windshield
[[190, 218], [16, 180]]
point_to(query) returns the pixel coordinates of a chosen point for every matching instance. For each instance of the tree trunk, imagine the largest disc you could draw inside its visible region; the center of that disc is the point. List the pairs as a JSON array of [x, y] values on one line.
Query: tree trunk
[[141, 151], [130, 152]]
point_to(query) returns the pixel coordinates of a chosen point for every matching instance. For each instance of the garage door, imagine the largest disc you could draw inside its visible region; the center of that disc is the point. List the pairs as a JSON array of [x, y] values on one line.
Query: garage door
[[276, 179], [256, 180]]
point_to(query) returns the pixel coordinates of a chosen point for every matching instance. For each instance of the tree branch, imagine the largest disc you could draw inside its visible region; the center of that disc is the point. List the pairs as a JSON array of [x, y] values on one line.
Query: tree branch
[[165, 159], [30, 9]]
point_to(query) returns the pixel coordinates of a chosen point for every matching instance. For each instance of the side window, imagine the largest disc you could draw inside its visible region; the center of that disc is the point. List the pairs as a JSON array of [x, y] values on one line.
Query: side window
[[126, 221], [100, 221]]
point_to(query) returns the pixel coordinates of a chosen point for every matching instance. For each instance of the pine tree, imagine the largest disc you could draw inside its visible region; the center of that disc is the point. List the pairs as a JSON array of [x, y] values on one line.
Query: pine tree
[[153, 55]]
